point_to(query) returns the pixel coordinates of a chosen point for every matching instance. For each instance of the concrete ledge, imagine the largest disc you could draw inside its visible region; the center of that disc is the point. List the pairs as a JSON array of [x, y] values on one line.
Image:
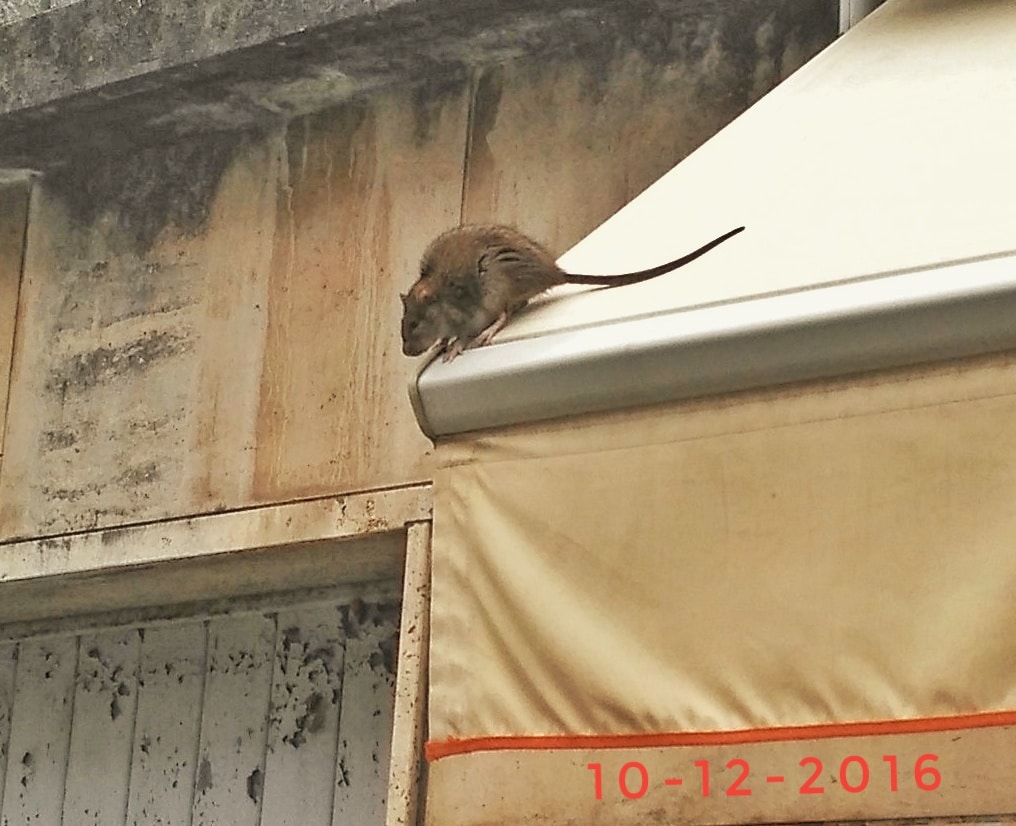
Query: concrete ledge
[[89, 44], [317, 543], [334, 517], [101, 74]]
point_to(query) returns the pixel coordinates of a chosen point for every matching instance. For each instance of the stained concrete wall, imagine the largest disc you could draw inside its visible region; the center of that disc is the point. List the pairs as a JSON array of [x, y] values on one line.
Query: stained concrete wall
[[13, 10], [14, 194], [208, 303]]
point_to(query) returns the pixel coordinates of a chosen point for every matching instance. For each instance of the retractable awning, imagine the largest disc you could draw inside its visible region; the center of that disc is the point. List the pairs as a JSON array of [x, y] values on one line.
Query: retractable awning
[[794, 604], [876, 185]]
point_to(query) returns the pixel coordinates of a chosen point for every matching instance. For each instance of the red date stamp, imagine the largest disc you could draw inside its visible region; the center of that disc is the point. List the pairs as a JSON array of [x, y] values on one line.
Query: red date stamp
[[855, 774]]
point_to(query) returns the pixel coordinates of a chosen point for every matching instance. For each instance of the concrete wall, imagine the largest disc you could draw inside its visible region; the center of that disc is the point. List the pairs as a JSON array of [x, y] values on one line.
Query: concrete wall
[[207, 275]]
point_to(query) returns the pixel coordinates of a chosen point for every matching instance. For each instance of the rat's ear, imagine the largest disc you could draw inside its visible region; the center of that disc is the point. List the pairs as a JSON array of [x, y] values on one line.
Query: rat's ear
[[404, 297], [423, 291]]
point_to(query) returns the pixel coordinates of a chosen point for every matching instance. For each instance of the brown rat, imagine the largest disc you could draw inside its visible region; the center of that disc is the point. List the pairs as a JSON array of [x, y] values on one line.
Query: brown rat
[[474, 278]]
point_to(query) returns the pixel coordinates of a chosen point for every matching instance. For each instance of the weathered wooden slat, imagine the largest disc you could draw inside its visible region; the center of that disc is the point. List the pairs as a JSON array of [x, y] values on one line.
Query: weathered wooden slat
[[231, 762], [170, 688], [303, 727], [40, 732], [404, 786], [233, 720], [8, 671], [102, 728], [365, 726]]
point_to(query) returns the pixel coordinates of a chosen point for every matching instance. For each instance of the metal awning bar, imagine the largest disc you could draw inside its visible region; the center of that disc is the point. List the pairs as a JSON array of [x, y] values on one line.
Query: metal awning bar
[[893, 320]]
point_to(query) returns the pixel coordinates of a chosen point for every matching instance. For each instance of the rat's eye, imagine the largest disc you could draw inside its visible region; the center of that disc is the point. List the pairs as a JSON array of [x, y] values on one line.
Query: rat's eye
[[508, 255]]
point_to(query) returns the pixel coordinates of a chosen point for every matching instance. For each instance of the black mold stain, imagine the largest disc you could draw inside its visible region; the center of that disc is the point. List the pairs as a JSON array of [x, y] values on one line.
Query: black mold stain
[[66, 494], [144, 474], [485, 104], [132, 289], [55, 546], [352, 618], [314, 719], [386, 658], [337, 129], [143, 190], [59, 439], [429, 100], [204, 778], [84, 370], [758, 37], [255, 785], [28, 771], [310, 722], [308, 690]]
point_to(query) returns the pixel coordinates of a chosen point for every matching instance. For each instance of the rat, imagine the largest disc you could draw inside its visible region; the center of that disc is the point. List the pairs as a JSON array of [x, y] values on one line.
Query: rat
[[475, 277]]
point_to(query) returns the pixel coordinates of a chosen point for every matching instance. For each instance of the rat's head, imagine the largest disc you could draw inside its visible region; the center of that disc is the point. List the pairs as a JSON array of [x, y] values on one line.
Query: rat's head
[[423, 322], [449, 301], [442, 297]]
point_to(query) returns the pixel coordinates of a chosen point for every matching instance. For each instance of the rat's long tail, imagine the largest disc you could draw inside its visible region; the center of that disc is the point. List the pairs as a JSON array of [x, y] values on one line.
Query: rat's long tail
[[643, 275]]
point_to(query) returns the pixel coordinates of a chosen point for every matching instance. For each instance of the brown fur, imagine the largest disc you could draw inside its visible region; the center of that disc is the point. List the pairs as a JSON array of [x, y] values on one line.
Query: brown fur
[[475, 277]]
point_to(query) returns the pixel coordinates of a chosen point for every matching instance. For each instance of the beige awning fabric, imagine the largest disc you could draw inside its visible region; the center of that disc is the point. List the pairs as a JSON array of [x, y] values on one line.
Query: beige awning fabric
[[804, 566], [766, 564]]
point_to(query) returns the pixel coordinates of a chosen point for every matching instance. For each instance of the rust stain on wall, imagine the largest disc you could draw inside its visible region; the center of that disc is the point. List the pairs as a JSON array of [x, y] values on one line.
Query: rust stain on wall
[[367, 186], [14, 197]]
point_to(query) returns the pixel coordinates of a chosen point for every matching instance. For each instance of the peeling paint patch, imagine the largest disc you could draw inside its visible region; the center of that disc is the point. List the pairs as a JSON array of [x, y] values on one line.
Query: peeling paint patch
[[101, 673], [308, 685], [362, 620]]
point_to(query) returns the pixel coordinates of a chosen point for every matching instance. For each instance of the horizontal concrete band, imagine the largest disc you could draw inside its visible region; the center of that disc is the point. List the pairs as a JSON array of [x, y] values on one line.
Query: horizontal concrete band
[[919, 316], [158, 71]]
